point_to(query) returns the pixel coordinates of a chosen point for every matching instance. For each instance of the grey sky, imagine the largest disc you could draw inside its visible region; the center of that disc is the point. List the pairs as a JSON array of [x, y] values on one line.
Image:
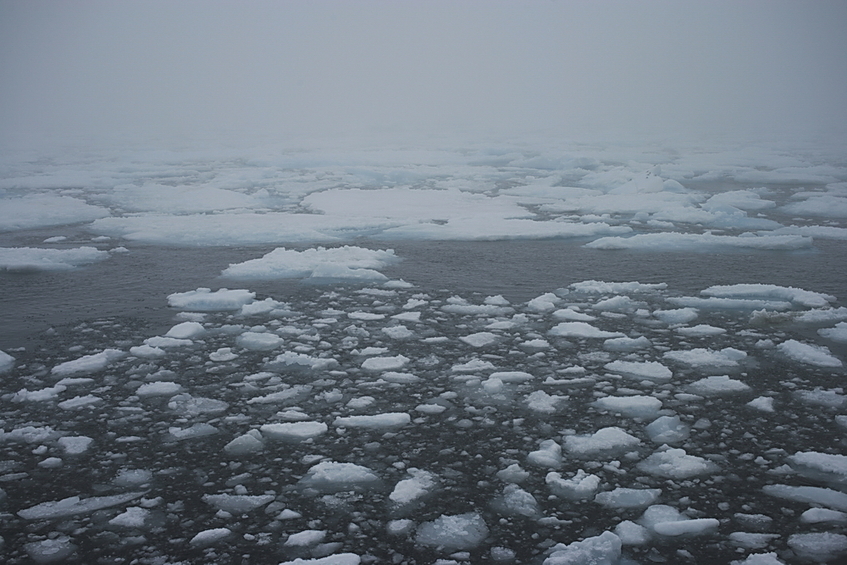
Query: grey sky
[[286, 69]]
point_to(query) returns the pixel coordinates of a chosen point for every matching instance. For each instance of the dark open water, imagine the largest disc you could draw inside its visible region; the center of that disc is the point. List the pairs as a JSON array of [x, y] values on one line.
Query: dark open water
[[136, 284]]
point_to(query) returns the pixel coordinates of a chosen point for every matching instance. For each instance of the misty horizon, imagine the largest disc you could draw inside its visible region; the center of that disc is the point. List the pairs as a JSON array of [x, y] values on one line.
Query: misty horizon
[[400, 70]]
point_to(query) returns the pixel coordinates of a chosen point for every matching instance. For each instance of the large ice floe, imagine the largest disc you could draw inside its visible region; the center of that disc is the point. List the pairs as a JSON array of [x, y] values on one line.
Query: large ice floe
[[329, 441], [363, 419]]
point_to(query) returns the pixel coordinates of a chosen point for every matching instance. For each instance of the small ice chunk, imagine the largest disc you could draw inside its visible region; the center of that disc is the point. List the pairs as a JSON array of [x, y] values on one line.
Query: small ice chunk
[[581, 486], [6, 361], [210, 537], [677, 315], [75, 445], [604, 442], [479, 339], [676, 464], [571, 315], [632, 406], [700, 357], [294, 431], [581, 330], [246, 444], [133, 517], [667, 521], [453, 533], [186, 330], [388, 420], [652, 370], [75, 505], [667, 430], [823, 516], [604, 549], [821, 546], [717, 385], [817, 355], [549, 454], [700, 330], [516, 502], [51, 550], [760, 559], [626, 344], [628, 497], [631, 533], [385, 363], [329, 476], [762, 403], [540, 401], [514, 473], [204, 300], [336, 559], [811, 495], [419, 484], [259, 341], [826, 467], [305, 538], [237, 503], [88, 363], [158, 388], [838, 333]]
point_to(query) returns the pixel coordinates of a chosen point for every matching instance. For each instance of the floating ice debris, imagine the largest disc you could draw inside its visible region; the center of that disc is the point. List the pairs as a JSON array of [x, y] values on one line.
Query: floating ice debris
[[42, 210], [479, 339], [453, 533], [210, 537], [700, 330], [159, 388], [132, 517], [632, 406], [820, 547], [24, 259], [676, 464], [329, 476], [581, 486], [75, 445], [388, 420], [549, 454], [622, 497], [829, 468], [838, 333], [419, 484], [6, 361], [582, 330], [246, 444], [259, 341], [713, 386], [677, 315], [810, 354], [514, 501], [603, 442], [88, 363], [665, 520], [337, 559], [604, 549], [74, 505], [676, 242], [812, 495], [237, 503], [204, 300], [186, 330], [652, 370], [385, 363], [604, 287], [707, 358], [667, 430], [51, 550], [294, 431], [763, 403], [797, 296], [346, 262], [305, 538]]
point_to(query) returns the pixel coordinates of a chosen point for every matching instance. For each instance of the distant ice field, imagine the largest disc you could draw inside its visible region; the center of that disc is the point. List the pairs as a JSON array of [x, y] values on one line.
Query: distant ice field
[[501, 353]]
